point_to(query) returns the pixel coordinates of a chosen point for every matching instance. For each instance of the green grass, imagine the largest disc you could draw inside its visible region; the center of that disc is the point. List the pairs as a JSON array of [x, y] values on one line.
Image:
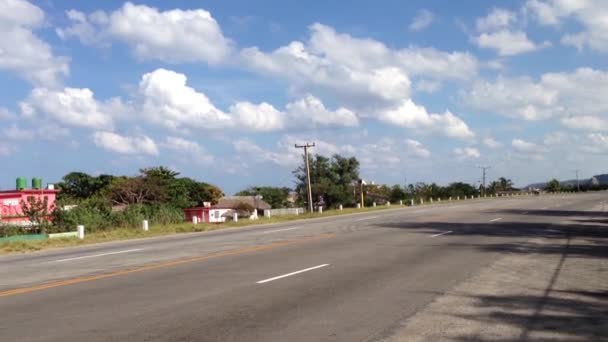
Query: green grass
[[160, 230]]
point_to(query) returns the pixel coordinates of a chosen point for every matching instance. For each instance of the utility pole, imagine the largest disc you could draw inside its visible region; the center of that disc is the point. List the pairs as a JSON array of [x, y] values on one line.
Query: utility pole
[[305, 147], [578, 185], [483, 187]]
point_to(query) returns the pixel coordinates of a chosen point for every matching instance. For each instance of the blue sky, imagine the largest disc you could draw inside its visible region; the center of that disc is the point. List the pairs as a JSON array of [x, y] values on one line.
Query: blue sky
[[221, 90]]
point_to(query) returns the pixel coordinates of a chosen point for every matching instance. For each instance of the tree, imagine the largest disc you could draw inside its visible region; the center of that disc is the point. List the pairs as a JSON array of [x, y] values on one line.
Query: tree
[[275, 196], [37, 210], [553, 186], [79, 185], [332, 180]]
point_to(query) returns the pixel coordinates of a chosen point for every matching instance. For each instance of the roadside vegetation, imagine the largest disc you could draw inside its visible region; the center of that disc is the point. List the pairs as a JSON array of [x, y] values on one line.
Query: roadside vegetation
[[113, 207]]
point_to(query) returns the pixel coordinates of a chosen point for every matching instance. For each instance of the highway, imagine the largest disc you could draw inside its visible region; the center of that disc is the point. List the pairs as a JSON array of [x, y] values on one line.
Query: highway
[[347, 278]]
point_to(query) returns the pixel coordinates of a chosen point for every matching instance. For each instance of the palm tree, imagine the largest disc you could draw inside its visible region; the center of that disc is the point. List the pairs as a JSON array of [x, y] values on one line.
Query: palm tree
[[505, 184]]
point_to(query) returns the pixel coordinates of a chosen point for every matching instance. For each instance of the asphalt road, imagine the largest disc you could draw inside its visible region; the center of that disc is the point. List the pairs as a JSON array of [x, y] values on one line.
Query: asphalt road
[[348, 278]]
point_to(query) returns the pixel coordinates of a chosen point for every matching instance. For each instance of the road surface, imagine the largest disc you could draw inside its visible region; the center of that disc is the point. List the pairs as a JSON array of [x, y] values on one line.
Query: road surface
[[347, 278]]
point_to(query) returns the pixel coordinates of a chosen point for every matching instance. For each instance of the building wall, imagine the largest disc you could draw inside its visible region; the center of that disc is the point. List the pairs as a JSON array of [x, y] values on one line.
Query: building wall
[[10, 204]]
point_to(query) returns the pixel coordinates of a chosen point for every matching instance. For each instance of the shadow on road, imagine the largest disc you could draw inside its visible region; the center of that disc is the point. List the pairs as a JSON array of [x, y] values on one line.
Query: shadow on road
[[573, 312]]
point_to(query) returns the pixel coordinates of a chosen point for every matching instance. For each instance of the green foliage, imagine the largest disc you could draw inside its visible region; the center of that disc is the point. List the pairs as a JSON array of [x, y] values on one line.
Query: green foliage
[[78, 186], [332, 180], [156, 194], [275, 196], [553, 186]]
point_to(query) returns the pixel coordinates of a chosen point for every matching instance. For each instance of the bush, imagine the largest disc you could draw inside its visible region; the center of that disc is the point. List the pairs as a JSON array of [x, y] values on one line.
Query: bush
[[99, 217]]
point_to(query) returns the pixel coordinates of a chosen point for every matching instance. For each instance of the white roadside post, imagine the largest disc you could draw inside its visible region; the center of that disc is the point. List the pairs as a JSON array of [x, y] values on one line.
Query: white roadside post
[[144, 225], [421, 201], [80, 231], [235, 217], [358, 205], [450, 198], [431, 199], [458, 198], [341, 207], [194, 219], [320, 210], [401, 202], [374, 204], [388, 204], [439, 199]]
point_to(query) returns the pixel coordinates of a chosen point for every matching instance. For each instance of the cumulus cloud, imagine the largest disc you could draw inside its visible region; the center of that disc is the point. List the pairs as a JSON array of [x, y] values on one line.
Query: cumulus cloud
[[423, 19], [577, 97], [135, 145], [498, 18], [193, 150], [24, 53], [47, 131], [491, 143], [167, 100], [596, 143], [68, 106], [529, 148], [171, 36], [497, 31], [416, 149], [467, 153], [348, 67], [410, 115], [590, 14], [507, 42]]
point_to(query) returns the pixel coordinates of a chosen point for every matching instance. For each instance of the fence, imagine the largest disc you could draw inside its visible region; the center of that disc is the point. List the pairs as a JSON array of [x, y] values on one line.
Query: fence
[[284, 211]]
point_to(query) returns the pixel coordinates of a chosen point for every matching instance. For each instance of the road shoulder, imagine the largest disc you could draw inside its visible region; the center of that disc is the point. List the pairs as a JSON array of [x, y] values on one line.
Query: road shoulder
[[550, 288]]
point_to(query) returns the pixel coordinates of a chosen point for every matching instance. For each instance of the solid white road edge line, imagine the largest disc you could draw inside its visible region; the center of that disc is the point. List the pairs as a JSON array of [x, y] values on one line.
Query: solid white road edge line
[[291, 274], [436, 235], [280, 230], [366, 218], [496, 219], [98, 255]]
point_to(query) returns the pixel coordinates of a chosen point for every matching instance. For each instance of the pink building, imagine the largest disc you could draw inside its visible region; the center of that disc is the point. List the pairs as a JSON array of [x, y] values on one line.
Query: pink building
[[10, 203]]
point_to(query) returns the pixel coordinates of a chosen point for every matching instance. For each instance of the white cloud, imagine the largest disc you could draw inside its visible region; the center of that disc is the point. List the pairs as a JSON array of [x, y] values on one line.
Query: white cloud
[[258, 117], [86, 28], [21, 51], [497, 19], [526, 147], [310, 111], [357, 70], [563, 95], [507, 42], [491, 143], [171, 36], [597, 143], [135, 145], [167, 100], [191, 149], [68, 106], [592, 15], [416, 149], [410, 115], [48, 132], [586, 122], [423, 19], [467, 153]]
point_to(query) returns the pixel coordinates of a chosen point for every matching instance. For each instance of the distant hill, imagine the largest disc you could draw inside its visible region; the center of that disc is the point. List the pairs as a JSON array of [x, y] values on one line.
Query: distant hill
[[595, 180]]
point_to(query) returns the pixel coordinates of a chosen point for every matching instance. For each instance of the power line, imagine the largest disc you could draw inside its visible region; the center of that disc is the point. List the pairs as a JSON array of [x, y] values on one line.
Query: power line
[[483, 187], [306, 147]]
